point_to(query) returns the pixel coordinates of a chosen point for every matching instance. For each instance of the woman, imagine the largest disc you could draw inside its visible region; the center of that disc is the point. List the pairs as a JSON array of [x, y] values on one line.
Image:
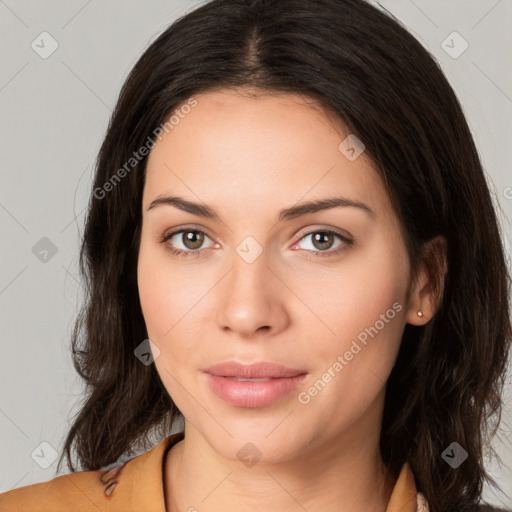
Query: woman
[[291, 246]]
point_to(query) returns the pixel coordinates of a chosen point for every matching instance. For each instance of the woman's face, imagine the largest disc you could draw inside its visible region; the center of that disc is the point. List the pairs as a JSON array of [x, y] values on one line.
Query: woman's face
[[258, 279]]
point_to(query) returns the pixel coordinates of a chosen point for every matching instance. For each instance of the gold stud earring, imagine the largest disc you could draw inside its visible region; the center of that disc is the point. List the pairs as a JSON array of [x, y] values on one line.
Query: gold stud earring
[[420, 313]]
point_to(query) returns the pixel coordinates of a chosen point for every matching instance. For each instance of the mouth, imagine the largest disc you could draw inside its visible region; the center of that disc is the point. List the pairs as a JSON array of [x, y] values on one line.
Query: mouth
[[252, 385], [253, 371], [242, 379]]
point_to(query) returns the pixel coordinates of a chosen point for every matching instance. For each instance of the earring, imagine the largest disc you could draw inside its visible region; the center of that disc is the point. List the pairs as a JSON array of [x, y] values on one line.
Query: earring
[[420, 313]]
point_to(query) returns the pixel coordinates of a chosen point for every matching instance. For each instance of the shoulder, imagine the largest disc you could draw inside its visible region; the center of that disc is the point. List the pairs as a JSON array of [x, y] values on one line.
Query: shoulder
[[80, 491], [135, 485]]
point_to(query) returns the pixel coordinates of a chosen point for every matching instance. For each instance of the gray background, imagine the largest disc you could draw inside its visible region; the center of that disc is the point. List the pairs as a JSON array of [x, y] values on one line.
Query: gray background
[[54, 115]]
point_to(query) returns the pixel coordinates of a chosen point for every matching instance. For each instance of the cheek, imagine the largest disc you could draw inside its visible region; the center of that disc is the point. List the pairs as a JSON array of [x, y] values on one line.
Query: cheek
[[365, 312], [351, 370], [172, 299], [166, 292], [355, 297], [166, 298], [154, 296]]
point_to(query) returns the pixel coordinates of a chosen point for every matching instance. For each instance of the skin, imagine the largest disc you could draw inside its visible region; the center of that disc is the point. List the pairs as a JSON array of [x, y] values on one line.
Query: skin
[[248, 158]]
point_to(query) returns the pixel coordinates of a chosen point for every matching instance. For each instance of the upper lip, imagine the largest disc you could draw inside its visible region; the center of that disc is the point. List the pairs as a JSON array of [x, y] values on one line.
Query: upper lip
[[258, 370]]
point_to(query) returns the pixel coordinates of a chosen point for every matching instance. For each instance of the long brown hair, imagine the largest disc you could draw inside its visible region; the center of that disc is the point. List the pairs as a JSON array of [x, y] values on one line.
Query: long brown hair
[[365, 69]]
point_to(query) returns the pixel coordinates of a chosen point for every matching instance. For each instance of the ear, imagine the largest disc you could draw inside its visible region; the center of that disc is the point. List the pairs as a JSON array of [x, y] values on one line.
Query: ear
[[427, 289]]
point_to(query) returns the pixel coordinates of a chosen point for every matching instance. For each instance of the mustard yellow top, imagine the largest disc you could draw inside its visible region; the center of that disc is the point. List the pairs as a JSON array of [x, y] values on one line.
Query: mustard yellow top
[[137, 485]]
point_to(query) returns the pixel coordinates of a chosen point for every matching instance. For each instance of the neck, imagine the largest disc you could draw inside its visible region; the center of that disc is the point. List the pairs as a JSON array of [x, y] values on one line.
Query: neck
[[337, 475]]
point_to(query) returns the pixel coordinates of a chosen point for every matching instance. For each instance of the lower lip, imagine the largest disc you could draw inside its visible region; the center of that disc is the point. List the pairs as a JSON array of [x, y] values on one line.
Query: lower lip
[[251, 393]]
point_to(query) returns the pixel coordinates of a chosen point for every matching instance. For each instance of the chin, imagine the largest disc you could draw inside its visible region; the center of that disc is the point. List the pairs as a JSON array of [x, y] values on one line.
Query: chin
[[258, 444]]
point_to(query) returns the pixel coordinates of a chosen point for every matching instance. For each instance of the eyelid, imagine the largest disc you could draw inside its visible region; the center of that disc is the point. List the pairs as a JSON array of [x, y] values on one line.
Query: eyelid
[[323, 229], [187, 227]]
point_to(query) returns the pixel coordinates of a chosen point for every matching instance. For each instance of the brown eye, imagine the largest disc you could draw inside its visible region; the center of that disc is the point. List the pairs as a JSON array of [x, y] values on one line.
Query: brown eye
[[192, 239], [322, 240], [185, 243]]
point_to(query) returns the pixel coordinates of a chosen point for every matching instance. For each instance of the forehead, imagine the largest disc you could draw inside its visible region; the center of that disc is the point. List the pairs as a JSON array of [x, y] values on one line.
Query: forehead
[[257, 152]]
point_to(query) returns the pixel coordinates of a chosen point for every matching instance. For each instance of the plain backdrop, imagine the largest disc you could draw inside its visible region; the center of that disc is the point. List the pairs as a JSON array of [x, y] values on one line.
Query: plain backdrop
[[62, 66]]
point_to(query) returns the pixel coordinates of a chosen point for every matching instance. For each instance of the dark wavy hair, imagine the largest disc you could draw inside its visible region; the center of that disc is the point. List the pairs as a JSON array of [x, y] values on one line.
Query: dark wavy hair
[[361, 66]]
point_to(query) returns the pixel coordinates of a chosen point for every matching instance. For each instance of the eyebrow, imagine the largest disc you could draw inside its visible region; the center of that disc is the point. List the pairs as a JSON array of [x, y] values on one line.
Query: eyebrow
[[285, 214]]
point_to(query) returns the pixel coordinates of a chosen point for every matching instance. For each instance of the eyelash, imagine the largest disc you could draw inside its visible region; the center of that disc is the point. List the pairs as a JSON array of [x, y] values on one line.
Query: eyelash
[[194, 254]]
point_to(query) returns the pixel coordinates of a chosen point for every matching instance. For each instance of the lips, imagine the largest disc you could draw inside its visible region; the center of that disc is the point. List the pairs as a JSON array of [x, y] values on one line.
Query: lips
[[262, 370], [252, 385]]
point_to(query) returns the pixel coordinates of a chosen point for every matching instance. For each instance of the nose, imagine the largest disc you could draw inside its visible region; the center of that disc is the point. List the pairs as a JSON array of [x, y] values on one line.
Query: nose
[[251, 299]]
